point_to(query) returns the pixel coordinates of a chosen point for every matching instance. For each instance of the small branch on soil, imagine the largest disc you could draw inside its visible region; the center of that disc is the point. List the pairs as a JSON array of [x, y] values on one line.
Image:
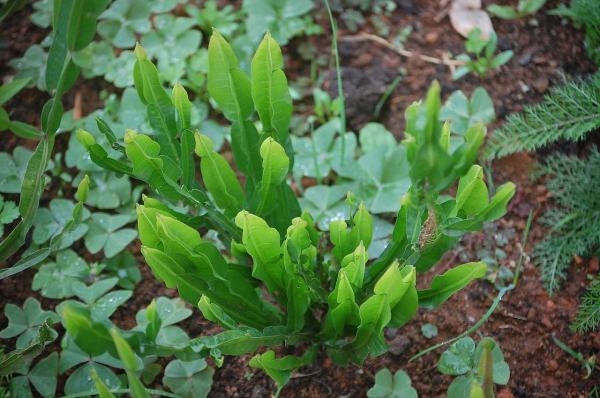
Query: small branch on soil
[[405, 53]]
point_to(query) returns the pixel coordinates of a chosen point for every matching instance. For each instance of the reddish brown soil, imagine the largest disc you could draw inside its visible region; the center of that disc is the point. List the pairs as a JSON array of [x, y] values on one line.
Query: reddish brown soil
[[526, 319]]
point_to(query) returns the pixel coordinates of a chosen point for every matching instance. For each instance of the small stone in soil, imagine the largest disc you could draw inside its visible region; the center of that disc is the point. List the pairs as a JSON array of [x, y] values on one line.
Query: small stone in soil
[[505, 393], [399, 344]]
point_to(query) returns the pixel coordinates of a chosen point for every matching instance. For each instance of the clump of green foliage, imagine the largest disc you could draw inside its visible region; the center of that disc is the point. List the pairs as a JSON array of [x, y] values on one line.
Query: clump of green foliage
[[388, 386], [317, 289], [478, 368], [483, 51], [574, 220], [568, 112], [524, 9]]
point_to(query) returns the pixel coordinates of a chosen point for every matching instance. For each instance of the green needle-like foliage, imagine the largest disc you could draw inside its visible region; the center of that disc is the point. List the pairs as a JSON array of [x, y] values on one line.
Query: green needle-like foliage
[[574, 221], [568, 112], [588, 317]]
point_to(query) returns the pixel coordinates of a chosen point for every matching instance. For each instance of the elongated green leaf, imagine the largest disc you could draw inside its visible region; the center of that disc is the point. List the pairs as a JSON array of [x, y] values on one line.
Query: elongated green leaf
[[263, 244], [241, 341], [103, 391], [82, 22], [219, 178], [130, 361], [270, 92], [275, 166], [9, 90], [227, 83], [281, 369], [443, 286], [161, 112]]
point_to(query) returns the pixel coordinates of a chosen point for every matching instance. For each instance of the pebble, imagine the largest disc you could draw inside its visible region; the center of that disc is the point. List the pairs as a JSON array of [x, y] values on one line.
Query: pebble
[[432, 37], [259, 391], [546, 322], [550, 306], [525, 59], [505, 393], [552, 365], [594, 265], [390, 333], [399, 345], [541, 84]]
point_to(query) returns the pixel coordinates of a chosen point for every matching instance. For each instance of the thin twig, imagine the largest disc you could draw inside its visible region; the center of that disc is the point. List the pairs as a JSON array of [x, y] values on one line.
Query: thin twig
[[404, 53]]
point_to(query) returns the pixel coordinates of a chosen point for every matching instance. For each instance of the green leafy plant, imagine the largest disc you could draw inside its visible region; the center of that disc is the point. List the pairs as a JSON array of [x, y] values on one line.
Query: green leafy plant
[[100, 347], [171, 43], [74, 26], [284, 19], [123, 19], [12, 169], [588, 364], [524, 9], [478, 368], [32, 66], [568, 112], [574, 221], [588, 317], [25, 323], [8, 213], [225, 20], [463, 112], [483, 51], [7, 91], [386, 386], [275, 245]]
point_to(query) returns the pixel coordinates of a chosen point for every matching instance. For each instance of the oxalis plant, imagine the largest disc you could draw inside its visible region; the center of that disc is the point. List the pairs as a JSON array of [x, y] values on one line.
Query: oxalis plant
[[282, 282]]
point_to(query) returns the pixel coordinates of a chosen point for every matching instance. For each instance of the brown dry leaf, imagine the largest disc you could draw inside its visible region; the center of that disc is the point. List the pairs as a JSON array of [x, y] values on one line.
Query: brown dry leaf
[[466, 15]]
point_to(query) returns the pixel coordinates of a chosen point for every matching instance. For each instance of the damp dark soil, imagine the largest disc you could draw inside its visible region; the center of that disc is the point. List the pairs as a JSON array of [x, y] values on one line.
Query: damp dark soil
[[547, 50]]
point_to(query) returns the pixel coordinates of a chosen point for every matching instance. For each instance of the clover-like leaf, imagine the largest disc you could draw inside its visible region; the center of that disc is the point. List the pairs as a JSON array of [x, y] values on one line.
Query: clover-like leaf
[[458, 359], [171, 44], [105, 233], [42, 13], [109, 191], [32, 65], [52, 220], [95, 59], [43, 377], [118, 71], [386, 386], [317, 155], [79, 379], [8, 213], [123, 19], [225, 20], [326, 203], [160, 6], [463, 112], [25, 322], [189, 379], [384, 178], [12, 169], [283, 19], [56, 279], [123, 266]]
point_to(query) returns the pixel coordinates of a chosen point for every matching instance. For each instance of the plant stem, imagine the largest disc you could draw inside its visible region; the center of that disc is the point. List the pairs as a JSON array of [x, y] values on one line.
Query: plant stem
[[336, 56]]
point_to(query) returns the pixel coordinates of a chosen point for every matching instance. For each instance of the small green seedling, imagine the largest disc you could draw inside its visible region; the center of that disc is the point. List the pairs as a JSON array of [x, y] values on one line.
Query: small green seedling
[[483, 50], [386, 386], [524, 8], [589, 364], [478, 367]]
